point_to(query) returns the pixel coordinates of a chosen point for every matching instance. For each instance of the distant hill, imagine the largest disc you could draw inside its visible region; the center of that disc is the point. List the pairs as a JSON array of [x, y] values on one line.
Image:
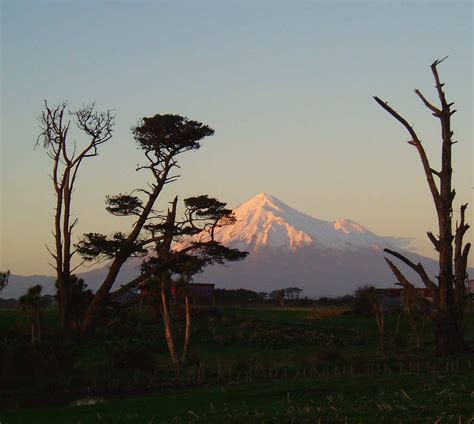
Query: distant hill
[[19, 284]]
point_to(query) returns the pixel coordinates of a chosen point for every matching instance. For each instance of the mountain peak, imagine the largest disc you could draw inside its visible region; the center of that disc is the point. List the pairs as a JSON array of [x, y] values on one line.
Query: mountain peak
[[265, 221], [261, 200]]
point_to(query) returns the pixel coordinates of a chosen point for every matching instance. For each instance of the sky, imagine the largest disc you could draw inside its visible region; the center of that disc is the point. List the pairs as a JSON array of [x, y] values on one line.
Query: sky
[[287, 86]]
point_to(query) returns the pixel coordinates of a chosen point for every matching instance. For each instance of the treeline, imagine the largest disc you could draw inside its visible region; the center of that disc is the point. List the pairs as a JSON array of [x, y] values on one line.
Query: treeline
[[47, 301], [246, 297]]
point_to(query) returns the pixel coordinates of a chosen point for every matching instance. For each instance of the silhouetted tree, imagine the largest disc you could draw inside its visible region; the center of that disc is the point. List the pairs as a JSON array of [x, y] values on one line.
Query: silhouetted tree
[[362, 303], [293, 293], [79, 298], [4, 277], [279, 296], [238, 296], [367, 302], [32, 303], [449, 292], [67, 158]]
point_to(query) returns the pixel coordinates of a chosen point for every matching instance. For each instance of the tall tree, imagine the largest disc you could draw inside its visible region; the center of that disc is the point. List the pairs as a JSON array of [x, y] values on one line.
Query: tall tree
[[67, 159], [449, 292], [162, 138]]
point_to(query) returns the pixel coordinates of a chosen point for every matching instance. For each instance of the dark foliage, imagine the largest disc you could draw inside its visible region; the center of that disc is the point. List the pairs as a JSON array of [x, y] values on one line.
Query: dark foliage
[[237, 296], [4, 276], [80, 297], [95, 246], [123, 205], [364, 300], [346, 300], [170, 134]]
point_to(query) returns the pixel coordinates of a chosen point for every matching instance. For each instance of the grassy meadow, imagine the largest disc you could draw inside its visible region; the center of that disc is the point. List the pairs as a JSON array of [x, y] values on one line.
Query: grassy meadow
[[259, 364]]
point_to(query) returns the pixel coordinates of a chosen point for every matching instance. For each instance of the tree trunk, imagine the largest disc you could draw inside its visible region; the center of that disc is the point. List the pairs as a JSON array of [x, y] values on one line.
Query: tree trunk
[[38, 326], [66, 230], [167, 323], [90, 315], [449, 336], [119, 260], [59, 259], [187, 334], [33, 338], [380, 324]]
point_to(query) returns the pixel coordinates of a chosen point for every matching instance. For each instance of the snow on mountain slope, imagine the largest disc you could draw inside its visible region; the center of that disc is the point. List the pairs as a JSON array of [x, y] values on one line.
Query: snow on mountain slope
[[265, 221]]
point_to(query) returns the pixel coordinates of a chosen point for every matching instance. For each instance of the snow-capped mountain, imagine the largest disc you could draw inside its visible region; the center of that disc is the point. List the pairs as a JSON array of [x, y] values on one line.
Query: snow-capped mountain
[[289, 248], [264, 221]]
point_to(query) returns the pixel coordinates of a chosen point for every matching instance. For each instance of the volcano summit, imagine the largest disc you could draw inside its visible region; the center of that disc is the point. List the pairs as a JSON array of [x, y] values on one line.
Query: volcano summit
[[289, 248]]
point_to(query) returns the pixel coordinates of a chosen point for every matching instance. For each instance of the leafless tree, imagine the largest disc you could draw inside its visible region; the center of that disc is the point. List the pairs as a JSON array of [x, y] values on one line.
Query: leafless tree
[[449, 292], [67, 158]]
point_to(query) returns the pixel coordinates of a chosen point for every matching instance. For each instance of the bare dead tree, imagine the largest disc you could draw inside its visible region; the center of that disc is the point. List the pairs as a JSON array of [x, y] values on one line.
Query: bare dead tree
[[67, 158], [447, 308]]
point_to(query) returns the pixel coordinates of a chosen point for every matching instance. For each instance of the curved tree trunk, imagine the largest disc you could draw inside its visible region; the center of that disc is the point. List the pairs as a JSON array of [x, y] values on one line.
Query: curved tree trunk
[[187, 334]]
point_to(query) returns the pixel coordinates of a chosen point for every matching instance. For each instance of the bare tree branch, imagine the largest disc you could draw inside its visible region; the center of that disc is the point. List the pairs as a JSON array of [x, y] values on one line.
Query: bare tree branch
[[418, 268], [415, 141], [402, 281]]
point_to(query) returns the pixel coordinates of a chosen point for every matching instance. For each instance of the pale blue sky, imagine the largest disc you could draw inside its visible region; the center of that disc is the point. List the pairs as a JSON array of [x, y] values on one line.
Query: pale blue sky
[[286, 85]]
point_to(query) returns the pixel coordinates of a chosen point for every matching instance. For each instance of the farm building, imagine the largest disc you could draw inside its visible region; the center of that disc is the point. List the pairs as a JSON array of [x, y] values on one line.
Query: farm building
[[392, 298]]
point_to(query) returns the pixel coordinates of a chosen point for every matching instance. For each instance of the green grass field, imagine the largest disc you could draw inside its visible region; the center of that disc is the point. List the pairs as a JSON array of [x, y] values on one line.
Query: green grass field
[[410, 398], [250, 365]]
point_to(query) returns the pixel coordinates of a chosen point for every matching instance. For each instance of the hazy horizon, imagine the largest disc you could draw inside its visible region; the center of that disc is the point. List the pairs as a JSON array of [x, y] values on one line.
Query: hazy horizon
[[287, 87]]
